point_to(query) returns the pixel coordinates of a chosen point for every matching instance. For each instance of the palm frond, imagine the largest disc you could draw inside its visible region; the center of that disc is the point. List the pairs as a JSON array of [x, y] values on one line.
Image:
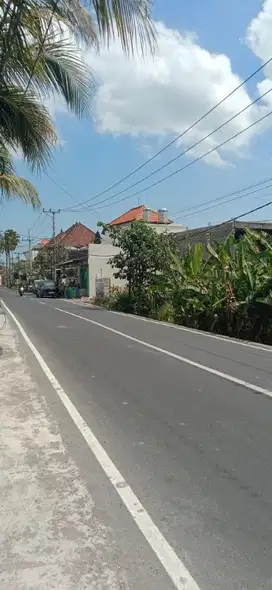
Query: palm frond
[[6, 165], [26, 123], [15, 187], [130, 20], [65, 72], [79, 21]]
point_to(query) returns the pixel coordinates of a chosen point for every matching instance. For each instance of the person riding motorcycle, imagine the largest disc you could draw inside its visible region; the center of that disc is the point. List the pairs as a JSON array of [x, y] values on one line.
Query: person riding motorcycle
[[21, 289]]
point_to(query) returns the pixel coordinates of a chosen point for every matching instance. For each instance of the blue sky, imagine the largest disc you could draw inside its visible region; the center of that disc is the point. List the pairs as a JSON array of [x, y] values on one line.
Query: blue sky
[[140, 106]]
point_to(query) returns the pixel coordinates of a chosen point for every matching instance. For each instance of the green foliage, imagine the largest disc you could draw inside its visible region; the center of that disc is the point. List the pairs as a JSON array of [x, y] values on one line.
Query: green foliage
[[120, 300], [143, 261], [43, 263], [13, 186], [228, 292], [9, 241], [39, 59]]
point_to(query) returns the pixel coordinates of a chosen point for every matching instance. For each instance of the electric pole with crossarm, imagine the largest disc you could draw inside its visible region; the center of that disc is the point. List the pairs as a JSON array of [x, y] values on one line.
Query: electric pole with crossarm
[[53, 212]]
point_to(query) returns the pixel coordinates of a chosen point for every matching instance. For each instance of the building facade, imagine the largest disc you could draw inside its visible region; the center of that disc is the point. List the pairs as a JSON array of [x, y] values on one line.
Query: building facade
[[100, 254]]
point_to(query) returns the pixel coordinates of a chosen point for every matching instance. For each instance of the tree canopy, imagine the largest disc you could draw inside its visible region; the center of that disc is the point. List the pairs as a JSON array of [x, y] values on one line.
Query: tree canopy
[[228, 290], [40, 56]]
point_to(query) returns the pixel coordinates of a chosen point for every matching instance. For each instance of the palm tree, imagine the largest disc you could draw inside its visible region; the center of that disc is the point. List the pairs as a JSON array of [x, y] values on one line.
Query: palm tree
[[9, 243], [13, 186], [38, 58]]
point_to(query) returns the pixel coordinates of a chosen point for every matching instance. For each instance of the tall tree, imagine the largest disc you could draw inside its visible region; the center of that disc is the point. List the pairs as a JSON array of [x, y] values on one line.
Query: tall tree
[[143, 261], [38, 58], [9, 243], [43, 262]]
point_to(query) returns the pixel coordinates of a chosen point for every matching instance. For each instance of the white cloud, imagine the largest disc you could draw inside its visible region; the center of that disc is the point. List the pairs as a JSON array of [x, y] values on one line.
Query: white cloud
[[259, 37], [259, 40], [161, 97], [158, 98]]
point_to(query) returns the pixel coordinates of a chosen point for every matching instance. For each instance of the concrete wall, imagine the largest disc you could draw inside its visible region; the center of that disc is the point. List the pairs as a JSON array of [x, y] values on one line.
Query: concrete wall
[[217, 233], [169, 228], [160, 227], [203, 235], [99, 256], [32, 256]]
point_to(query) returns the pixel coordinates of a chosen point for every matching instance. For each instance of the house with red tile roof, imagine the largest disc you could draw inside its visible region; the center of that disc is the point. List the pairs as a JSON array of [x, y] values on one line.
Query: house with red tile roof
[[35, 249], [142, 213], [41, 244], [75, 237], [101, 253]]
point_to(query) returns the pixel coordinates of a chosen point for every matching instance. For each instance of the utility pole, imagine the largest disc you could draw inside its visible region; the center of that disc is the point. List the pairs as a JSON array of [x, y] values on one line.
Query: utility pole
[[12, 267], [53, 212], [29, 254], [18, 266]]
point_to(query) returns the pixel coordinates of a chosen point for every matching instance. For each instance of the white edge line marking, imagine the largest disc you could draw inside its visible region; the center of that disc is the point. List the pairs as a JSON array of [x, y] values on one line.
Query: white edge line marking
[[183, 359], [181, 328], [174, 567]]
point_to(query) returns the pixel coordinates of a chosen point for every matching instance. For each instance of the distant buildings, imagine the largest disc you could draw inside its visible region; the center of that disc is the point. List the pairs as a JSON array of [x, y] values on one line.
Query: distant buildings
[[90, 252], [158, 219], [219, 232], [35, 249], [75, 237], [99, 268]]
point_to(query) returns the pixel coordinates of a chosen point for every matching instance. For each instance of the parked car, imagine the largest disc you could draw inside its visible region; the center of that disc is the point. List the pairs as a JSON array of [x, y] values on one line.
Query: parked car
[[36, 283], [47, 289]]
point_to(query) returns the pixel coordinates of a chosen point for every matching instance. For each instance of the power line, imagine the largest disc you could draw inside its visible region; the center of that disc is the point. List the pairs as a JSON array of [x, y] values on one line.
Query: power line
[[180, 135], [217, 202], [36, 220], [225, 196], [209, 229], [197, 143], [65, 191], [223, 203], [41, 223], [157, 182]]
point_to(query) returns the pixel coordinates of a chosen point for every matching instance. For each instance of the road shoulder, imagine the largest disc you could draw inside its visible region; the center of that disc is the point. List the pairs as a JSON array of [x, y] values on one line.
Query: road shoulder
[[53, 533]]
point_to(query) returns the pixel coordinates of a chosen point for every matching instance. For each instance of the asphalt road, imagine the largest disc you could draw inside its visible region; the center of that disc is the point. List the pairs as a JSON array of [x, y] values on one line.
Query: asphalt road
[[193, 442]]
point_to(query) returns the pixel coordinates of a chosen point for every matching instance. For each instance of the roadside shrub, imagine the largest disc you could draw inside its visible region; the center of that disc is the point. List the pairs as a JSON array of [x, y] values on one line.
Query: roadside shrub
[[165, 313], [121, 301], [102, 301]]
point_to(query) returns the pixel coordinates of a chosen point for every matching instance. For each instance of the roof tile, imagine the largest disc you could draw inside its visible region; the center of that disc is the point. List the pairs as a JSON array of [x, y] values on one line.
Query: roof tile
[[136, 214], [76, 236]]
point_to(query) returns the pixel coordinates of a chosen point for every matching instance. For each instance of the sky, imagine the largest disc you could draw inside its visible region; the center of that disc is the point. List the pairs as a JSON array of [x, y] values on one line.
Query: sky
[[204, 50]]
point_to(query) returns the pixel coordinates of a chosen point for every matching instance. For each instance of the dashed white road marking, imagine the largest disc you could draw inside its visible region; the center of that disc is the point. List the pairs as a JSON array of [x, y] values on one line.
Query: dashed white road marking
[[172, 564], [226, 376]]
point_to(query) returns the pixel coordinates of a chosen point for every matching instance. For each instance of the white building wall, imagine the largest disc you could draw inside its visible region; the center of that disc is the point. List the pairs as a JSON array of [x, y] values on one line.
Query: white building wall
[[169, 228], [32, 256], [99, 256], [160, 227]]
